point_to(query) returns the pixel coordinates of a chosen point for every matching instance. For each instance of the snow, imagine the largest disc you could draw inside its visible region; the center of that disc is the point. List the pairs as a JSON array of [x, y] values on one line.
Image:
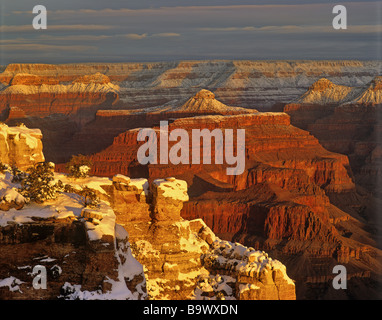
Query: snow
[[245, 261], [247, 287], [10, 195], [84, 169], [214, 284], [65, 206], [106, 226], [331, 93], [128, 268], [120, 178], [145, 248], [92, 182], [176, 189], [12, 283], [48, 260]]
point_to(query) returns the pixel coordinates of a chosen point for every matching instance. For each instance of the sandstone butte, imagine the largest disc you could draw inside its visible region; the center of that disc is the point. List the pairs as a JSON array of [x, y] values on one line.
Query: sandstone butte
[[347, 120], [88, 253]]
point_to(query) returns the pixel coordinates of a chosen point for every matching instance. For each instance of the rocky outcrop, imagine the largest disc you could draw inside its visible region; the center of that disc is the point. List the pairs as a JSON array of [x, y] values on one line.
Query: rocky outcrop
[[99, 134], [20, 146], [348, 125], [372, 95], [80, 253], [270, 139], [184, 259], [39, 96]]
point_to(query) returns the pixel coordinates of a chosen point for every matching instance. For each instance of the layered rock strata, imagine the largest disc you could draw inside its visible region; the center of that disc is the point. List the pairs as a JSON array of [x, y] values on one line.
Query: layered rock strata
[[37, 96], [84, 254], [67, 97], [20, 146], [184, 259], [346, 121], [284, 202]]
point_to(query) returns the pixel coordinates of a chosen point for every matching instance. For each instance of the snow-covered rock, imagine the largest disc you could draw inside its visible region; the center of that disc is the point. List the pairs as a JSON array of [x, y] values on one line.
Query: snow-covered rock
[[68, 240], [325, 92], [20, 146]]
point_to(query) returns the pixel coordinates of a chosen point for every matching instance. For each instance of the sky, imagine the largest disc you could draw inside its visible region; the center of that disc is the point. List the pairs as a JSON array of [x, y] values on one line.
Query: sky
[[81, 31]]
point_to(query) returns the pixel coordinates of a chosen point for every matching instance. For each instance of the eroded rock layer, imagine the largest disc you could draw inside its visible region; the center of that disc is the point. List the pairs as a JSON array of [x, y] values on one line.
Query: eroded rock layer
[[43, 95], [184, 259], [348, 123], [279, 203], [20, 146]]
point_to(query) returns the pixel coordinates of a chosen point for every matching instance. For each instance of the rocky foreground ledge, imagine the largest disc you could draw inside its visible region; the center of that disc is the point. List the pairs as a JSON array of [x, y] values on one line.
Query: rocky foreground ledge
[[88, 254], [184, 259]]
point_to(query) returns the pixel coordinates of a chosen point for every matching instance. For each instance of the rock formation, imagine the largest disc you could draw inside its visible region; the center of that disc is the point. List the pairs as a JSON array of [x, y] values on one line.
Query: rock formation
[[67, 97], [83, 253], [86, 252], [348, 124], [296, 199], [285, 202], [244, 83], [184, 259], [108, 124], [38, 96], [20, 146]]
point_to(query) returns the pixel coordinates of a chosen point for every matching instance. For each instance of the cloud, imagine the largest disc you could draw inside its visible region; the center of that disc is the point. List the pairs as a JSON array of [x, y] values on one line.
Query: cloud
[[28, 28], [44, 48], [290, 29], [166, 34], [136, 36]]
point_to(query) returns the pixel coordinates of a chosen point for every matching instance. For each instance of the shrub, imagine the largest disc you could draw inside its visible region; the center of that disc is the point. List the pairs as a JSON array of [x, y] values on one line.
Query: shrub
[[39, 185], [17, 174], [3, 167], [90, 198], [79, 166]]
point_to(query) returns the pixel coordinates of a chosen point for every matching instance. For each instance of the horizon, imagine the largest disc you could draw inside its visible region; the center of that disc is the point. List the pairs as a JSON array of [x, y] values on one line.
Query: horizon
[[168, 30], [193, 60]]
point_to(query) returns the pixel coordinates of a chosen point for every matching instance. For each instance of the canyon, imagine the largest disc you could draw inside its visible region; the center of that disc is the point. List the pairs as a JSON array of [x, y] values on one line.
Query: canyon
[[347, 120], [309, 193], [289, 200], [133, 245], [62, 99]]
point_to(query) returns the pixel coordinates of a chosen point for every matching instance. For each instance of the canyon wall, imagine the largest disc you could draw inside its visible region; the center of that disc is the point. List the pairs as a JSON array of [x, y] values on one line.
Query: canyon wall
[[133, 244], [346, 120], [282, 203], [244, 83], [67, 97]]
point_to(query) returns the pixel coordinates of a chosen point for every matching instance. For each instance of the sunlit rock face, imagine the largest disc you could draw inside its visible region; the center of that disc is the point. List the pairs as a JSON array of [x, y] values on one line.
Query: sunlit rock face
[[64, 100], [184, 259], [345, 119], [83, 253], [20, 146]]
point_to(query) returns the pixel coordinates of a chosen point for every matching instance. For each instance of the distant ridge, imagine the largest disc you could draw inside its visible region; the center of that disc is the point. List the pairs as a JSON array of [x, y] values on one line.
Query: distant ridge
[[325, 92]]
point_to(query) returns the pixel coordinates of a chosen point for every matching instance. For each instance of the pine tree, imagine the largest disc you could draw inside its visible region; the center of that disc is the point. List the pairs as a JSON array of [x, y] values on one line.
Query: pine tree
[[89, 196], [39, 185]]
